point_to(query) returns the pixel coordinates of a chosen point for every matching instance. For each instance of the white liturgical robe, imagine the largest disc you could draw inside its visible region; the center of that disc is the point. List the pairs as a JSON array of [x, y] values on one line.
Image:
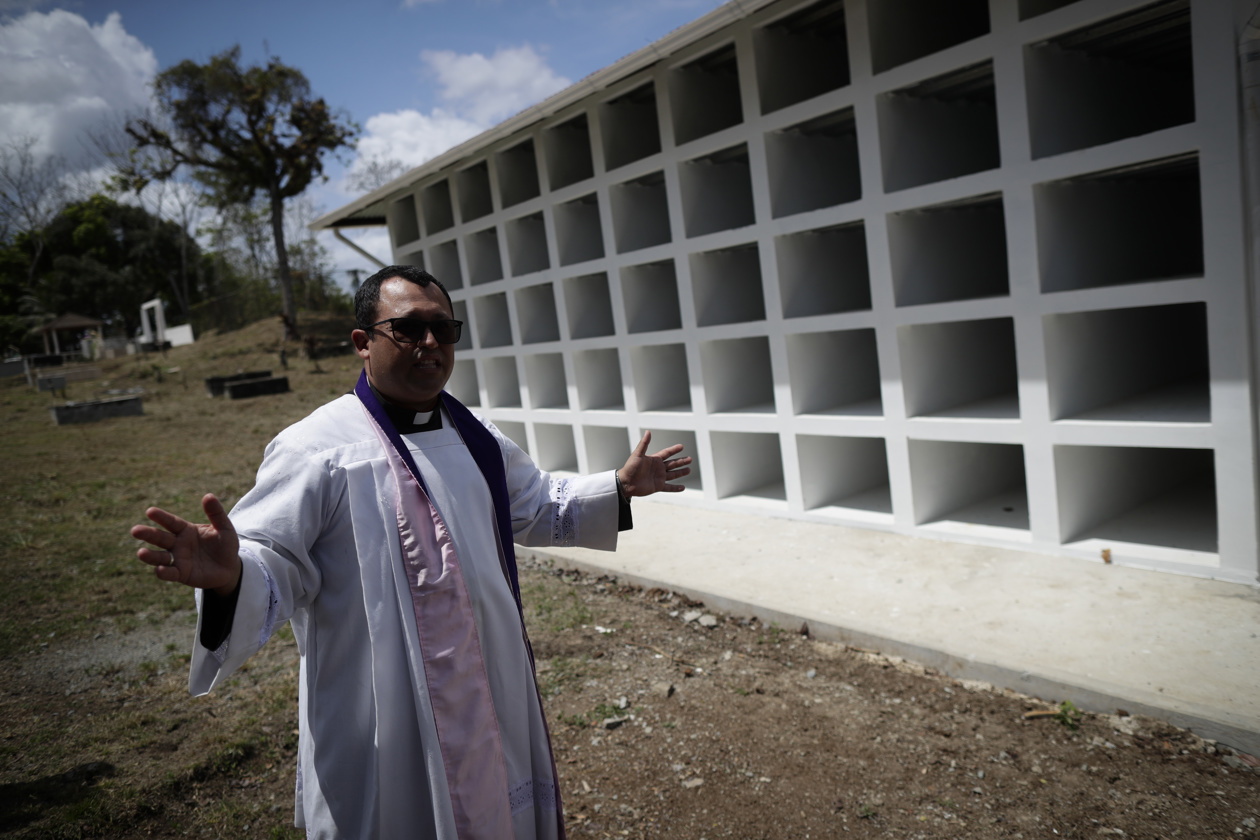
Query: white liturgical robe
[[320, 547]]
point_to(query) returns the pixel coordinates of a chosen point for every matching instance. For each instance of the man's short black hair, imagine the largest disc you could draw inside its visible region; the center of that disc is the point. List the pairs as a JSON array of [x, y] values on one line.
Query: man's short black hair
[[369, 294]]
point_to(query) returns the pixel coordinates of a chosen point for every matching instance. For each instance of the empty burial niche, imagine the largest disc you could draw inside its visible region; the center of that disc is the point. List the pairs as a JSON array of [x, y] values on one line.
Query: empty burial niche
[[598, 379], [960, 369], [465, 335], [844, 472], [514, 432], [704, 95], [404, 226], [1032, 8], [954, 251], [972, 483], [527, 244], [640, 212], [608, 446], [494, 328], [435, 204], [415, 258], [631, 127], [823, 271], [748, 464], [717, 191], [444, 259], [942, 128], [737, 375], [802, 55], [1134, 365], [835, 373], [1128, 225], [481, 249], [518, 174], [536, 314], [664, 438], [1120, 77], [589, 306], [650, 293], [661, 382], [473, 187], [503, 386], [903, 30], [568, 150], [544, 375], [813, 164], [463, 384], [727, 286], [556, 450], [579, 236], [1159, 497]]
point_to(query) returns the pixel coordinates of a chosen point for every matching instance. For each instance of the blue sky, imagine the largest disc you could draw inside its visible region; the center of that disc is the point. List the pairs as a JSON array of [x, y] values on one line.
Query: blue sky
[[418, 75]]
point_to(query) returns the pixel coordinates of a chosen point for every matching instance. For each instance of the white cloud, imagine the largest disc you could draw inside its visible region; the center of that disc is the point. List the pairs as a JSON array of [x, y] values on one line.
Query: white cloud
[[63, 76], [487, 90], [413, 137]]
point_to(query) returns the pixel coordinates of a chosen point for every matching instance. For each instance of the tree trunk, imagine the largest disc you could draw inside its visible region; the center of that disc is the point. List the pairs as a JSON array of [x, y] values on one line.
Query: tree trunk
[[288, 304]]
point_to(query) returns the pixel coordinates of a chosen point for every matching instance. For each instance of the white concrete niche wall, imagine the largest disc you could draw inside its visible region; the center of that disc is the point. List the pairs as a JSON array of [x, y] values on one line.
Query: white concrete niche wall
[[1120, 77], [435, 205], [825, 271], [640, 211], [938, 129], [748, 464], [410, 257], [845, 472], [650, 294], [1141, 364], [404, 225], [463, 384], [813, 164], [631, 126], [460, 308], [481, 251], [661, 382], [536, 314], [503, 385], [544, 376], [960, 369], [1133, 224], [705, 96], [472, 186], [557, 451], [607, 447], [969, 483], [494, 326], [517, 168], [527, 244], [1145, 496], [737, 375], [444, 264], [936, 26], [835, 373], [567, 148], [801, 55], [717, 191], [579, 235], [726, 285], [954, 251], [514, 431], [598, 375], [589, 306]]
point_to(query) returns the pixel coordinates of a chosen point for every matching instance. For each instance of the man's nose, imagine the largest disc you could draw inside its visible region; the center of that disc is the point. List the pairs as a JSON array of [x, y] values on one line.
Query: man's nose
[[429, 339]]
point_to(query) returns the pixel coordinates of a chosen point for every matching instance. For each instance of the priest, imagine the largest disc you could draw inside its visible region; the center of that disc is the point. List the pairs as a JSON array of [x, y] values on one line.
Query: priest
[[382, 528]]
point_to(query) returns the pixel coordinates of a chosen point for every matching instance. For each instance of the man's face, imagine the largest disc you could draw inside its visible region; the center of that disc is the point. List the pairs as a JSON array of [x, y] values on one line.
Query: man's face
[[409, 375]]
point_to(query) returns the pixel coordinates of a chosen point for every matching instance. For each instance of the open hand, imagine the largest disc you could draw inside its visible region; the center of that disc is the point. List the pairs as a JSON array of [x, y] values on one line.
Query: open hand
[[203, 556], [646, 474]]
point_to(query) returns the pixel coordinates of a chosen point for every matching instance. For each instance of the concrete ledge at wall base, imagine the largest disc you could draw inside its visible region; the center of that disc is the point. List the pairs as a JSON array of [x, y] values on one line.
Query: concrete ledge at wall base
[[258, 387], [216, 386], [94, 410], [1044, 686]]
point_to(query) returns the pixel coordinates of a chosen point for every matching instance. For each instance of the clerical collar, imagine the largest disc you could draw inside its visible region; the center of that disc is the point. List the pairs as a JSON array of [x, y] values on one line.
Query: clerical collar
[[407, 421]]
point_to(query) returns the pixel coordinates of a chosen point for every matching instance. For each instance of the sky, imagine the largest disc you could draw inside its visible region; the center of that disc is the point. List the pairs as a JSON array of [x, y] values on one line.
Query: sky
[[418, 76]]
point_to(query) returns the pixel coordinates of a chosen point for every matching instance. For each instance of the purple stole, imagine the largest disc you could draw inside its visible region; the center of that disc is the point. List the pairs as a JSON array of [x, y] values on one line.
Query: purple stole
[[455, 672]]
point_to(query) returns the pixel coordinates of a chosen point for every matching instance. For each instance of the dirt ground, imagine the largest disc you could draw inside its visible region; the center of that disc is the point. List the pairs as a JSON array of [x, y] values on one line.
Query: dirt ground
[[668, 721]]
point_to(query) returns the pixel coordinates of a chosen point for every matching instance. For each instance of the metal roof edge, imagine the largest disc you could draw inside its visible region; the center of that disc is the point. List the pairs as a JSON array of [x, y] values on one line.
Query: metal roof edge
[[658, 50]]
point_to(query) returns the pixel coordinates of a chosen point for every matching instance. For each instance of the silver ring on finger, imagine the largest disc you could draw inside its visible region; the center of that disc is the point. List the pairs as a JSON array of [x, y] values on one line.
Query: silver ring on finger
[[172, 561]]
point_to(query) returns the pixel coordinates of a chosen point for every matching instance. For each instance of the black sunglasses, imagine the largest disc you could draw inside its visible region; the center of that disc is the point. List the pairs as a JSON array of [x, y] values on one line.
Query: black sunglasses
[[412, 330]]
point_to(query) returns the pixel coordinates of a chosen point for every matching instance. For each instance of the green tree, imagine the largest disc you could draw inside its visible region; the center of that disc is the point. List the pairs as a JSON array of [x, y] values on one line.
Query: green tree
[[243, 131]]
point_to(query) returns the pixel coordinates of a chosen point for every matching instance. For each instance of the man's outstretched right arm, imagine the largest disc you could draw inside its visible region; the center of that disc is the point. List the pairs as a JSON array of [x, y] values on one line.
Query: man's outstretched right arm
[[200, 556]]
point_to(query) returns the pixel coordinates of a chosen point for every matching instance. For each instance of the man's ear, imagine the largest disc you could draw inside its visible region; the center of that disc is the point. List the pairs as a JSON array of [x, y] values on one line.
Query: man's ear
[[360, 339]]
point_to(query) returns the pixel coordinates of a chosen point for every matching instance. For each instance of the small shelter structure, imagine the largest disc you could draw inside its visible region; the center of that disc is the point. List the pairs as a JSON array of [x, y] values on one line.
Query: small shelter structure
[[68, 321]]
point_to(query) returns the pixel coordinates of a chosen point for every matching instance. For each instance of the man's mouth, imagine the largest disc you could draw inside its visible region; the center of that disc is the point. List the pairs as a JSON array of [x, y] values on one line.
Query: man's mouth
[[429, 362]]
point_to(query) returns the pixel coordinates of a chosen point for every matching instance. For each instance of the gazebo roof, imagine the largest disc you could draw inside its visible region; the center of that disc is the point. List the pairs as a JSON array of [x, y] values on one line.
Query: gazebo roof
[[69, 321]]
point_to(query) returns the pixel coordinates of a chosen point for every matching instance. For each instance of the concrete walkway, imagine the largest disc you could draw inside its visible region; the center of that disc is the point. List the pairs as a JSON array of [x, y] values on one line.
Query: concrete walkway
[[1102, 636]]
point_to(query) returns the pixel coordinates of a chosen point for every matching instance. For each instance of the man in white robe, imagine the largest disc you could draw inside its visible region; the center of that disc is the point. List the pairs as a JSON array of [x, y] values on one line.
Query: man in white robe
[[381, 526]]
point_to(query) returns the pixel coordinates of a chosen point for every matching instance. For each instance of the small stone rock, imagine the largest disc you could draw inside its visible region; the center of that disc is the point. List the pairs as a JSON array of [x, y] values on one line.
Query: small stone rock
[[726, 655], [614, 722], [707, 620], [694, 782], [691, 615], [811, 673], [663, 689], [623, 702]]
